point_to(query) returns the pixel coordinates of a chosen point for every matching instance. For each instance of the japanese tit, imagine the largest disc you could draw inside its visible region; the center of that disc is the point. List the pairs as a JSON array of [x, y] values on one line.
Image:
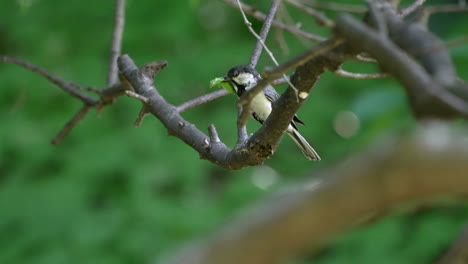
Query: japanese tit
[[244, 78]]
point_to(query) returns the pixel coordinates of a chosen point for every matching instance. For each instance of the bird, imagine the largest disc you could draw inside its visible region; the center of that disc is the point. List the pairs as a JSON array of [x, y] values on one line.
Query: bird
[[244, 78]]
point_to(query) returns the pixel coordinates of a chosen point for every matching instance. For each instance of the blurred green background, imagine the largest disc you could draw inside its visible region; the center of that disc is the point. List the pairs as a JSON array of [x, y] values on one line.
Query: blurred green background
[[113, 193]]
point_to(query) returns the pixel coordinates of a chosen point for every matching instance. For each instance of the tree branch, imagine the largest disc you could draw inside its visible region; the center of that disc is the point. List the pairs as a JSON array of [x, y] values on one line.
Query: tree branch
[[71, 124], [260, 16], [66, 86], [320, 17], [116, 44], [216, 152], [338, 7], [428, 96], [201, 100], [446, 8], [411, 8], [457, 253], [360, 76], [428, 164], [263, 143], [107, 95], [263, 32]]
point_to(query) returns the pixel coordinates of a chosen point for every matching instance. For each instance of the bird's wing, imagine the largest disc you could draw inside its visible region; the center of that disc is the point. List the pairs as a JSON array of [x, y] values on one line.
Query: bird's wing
[[272, 95]]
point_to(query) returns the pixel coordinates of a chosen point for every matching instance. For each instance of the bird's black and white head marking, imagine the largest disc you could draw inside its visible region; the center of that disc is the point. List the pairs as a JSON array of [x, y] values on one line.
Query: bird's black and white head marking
[[243, 77]]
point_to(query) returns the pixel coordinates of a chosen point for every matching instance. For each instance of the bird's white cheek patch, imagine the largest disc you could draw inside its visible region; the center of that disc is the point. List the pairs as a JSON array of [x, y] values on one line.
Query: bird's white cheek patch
[[244, 78]]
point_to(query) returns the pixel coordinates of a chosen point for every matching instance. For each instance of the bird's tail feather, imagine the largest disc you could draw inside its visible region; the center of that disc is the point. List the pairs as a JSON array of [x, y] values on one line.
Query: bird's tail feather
[[308, 151]]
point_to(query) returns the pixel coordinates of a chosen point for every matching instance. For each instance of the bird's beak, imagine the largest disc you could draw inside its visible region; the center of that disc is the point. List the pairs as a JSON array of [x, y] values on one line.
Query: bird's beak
[[226, 78]]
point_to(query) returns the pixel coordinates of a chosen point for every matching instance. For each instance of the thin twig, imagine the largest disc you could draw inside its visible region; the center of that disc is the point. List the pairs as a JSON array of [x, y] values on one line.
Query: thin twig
[[214, 138], [281, 80], [446, 8], [338, 7], [361, 76], [321, 18], [71, 124], [260, 40], [116, 45], [201, 100], [136, 96], [411, 8], [263, 32], [294, 30], [242, 135], [66, 86], [87, 88], [432, 48], [458, 251], [365, 58], [376, 19], [141, 115], [279, 39]]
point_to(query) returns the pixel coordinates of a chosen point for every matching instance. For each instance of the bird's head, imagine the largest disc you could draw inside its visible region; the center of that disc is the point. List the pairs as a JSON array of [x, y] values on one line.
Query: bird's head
[[243, 77]]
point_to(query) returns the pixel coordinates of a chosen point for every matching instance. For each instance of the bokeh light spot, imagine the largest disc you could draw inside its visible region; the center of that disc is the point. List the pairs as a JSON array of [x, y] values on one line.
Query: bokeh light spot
[[264, 177], [346, 124]]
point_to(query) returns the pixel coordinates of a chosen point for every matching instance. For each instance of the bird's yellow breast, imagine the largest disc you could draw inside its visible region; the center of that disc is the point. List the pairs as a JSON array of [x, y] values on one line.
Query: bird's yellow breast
[[261, 106]]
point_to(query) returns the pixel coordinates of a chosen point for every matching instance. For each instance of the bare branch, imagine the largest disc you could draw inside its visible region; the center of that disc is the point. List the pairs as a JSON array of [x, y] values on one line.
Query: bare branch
[[375, 17], [365, 58], [458, 251], [263, 32], [66, 86], [243, 115], [136, 96], [107, 95], [338, 7], [142, 81], [352, 75], [214, 138], [259, 39], [260, 16], [446, 8], [279, 39], [241, 130], [438, 101], [71, 124], [87, 88], [281, 80], [201, 100], [141, 115], [260, 43], [116, 45], [262, 143], [320, 17], [299, 220], [411, 8]]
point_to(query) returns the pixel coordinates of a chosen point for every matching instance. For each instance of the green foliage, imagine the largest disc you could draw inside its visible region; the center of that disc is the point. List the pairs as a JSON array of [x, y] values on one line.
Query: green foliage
[[221, 83], [113, 193]]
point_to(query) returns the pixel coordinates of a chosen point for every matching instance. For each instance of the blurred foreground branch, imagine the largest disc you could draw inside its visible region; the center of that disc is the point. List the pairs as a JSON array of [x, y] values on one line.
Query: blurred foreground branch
[[429, 78], [458, 251], [430, 163]]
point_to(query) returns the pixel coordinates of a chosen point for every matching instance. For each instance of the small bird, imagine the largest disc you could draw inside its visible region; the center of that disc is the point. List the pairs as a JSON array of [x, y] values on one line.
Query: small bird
[[244, 78]]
